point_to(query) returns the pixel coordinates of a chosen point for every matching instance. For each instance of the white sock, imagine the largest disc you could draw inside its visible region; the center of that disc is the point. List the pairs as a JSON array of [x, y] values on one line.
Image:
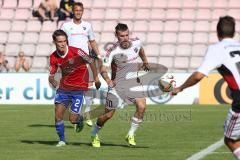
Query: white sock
[[95, 129], [89, 102], [134, 125], [236, 153]]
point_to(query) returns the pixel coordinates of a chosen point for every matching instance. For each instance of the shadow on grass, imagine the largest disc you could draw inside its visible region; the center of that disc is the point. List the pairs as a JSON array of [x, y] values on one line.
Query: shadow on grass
[[47, 125], [53, 143]]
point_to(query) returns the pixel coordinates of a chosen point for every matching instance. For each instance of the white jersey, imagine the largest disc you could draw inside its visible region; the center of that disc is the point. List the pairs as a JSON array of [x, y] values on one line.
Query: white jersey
[[125, 60], [225, 57], [79, 34]]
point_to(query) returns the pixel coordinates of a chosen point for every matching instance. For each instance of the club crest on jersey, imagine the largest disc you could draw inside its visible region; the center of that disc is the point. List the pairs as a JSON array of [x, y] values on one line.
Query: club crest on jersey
[[84, 28], [135, 50], [71, 61]]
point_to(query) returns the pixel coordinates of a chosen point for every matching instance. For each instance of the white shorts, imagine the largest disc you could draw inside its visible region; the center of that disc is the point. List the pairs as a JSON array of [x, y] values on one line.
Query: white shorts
[[232, 125]]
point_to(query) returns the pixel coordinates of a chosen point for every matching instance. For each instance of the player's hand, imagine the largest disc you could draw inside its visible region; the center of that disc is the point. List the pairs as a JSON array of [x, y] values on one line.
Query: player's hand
[[97, 84], [176, 91], [54, 83], [110, 83], [145, 67]]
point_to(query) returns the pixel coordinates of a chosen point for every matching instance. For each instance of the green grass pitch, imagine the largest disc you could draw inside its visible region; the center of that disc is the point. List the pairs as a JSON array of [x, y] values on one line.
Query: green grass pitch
[[169, 132]]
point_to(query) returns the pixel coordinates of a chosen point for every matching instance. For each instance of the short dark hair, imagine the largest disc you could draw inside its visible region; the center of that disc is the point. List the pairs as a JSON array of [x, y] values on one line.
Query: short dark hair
[[226, 27], [121, 27], [57, 33], [80, 4]]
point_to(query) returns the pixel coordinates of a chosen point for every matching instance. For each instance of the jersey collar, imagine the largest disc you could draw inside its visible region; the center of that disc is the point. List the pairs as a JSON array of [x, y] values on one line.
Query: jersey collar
[[63, 56]]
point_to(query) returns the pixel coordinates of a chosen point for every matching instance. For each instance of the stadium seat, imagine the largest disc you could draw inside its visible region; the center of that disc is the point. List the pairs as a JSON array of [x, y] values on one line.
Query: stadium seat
[[7, 14], [43, 50], [30, 37], [169, 38], [181, 63], [199, 50], [15, 37], [186, 26], [99, 4], [205, 4], [5, 26], [25, 4], [10, 4], [166, 61], [141, 36], [97, 25], [234, 4], [28, 49], [107, 37], [154, 38], [202, 26], [128, 23], [171, 26], [87, 14], [19, 26], [173, 14], [213, 26], [159, 4], [144, 4], [234, 13], [142, 14], [45, 37], [174, 4], [98, 14], [97, 37], [183, 50], [203, 14], [12, 49], [158, 14], [49, 26], [200, 37], [212, 37], [168, 50], [109, 26], [140, 26], [33, 26], [4, 37], [11, 62], [195, 62], [87, 4], [220, 4], [152, 50], [216, 13], [2, 48], [152, 59], [156, 26], [188, 14], [22, 14], [190, 4], [39, 63], [115, 4], [127, 14], [129, 4], [112, 14]]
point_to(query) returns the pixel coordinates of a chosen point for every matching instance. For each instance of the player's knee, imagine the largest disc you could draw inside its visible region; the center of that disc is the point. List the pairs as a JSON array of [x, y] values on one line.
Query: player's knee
[[73, 120]]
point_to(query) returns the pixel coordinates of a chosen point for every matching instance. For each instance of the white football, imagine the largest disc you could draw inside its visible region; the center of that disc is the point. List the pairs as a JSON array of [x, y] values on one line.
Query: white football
[[167, 83]]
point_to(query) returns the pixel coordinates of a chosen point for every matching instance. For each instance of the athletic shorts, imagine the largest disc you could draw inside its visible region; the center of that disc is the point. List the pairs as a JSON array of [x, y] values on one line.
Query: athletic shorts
[[72, 99], [232, 125]]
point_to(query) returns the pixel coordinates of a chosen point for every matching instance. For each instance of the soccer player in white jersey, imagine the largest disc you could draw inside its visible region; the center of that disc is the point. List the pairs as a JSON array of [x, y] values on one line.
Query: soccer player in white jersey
[[123, 57], [80, 35], [225, 57]]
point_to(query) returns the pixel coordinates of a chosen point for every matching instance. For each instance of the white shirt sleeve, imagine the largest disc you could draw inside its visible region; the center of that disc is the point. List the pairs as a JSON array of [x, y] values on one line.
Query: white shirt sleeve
[[108, 60], [212, 60], [90, 33]]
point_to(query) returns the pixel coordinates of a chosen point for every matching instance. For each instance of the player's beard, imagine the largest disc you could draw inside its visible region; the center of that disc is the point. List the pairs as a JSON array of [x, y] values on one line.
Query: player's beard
[[125, 44]]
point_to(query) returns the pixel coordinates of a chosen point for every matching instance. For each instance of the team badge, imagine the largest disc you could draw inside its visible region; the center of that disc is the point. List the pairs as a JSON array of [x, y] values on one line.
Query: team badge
[[135, 50], [84, 28]]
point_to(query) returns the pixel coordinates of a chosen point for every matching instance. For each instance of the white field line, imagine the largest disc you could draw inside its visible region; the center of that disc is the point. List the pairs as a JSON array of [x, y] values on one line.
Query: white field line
[[203, 153]]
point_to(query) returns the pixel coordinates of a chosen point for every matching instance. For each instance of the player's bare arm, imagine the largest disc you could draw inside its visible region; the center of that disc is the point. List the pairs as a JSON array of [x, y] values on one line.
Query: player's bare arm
[[52, 81], [192, 80], [105, 76], [94, 46], [142, 55], [95, 75]]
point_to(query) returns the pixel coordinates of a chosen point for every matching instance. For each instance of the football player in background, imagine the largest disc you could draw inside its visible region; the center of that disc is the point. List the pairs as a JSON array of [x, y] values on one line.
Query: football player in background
[[72, 62], [80, 35], [123, 57]]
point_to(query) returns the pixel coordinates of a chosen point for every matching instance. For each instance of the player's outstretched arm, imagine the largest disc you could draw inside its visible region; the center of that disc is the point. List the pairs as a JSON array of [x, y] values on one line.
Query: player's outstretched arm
[[142, 55], [95, 75], [192, 80], [105, 76]]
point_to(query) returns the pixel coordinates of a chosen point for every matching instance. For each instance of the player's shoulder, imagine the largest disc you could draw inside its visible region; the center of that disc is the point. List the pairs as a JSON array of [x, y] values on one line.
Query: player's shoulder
[[135, 41], [112, 48]]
